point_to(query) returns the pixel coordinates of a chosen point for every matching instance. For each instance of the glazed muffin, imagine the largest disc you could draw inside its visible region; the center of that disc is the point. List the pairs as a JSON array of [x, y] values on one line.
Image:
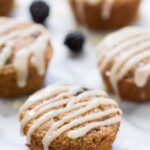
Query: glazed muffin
[[105, 14], [124, 63], [6, 7], [70, 117], [25, 51]]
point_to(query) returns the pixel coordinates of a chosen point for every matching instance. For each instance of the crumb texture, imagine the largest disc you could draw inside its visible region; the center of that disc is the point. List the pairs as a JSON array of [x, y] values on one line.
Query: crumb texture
[[68, 116]]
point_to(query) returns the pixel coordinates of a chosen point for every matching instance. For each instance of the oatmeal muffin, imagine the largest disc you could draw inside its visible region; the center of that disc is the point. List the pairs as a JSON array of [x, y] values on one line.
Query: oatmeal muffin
[[25, 51], [105, 14], [70, 117], [6, 7], [124, 62]]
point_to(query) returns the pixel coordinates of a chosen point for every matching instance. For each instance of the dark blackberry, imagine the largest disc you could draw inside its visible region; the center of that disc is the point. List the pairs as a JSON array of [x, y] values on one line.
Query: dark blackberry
[[75, 41], [39, 11]]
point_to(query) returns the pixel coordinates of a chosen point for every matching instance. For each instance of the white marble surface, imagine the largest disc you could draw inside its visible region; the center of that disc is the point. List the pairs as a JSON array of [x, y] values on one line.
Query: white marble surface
[[134, 133]]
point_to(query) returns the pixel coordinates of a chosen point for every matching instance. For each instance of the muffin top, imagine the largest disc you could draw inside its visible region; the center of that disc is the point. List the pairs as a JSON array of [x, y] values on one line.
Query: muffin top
[[125, 54], [22, 44], [67, 110]]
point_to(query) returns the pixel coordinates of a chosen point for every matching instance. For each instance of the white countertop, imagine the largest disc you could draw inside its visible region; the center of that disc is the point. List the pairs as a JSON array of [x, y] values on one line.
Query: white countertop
[[135, 129]]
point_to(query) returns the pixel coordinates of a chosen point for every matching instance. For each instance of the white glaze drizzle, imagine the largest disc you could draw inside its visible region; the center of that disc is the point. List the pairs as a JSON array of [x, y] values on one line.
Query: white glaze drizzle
[[60, 99], [3, 20], [33, 114], [4, 55], [49, 92], [21, 33], [10, 24], [48, 116], [120, 36], [80, 11], [130, 44], [48, 104], [60, 127], [142, 75], [106, 8], [126, 54], [82, 131], [21, 58]]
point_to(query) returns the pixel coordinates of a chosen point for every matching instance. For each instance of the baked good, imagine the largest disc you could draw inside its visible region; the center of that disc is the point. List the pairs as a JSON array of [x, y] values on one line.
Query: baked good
[[105, 14], [124, 62], [69, 117], [6, 7], [25, 51]]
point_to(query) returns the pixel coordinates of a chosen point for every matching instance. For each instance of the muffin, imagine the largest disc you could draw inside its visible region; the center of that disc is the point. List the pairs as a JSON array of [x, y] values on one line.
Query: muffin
[[6, 7], [124, 63], [69, 117], [105, 14], [25, 51]]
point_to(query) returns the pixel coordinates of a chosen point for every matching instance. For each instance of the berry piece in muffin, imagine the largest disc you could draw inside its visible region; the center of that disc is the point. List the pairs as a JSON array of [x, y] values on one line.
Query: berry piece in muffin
[[124, 62], [70, 117], [75, 41], [39, 11], [25, 51], [105, 14]]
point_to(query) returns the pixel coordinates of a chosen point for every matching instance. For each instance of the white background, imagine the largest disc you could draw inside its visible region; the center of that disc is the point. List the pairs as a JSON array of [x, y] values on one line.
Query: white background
[[134, 133]]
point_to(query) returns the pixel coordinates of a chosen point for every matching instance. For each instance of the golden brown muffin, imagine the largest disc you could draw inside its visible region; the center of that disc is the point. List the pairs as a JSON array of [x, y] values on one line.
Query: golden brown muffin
[[25, 51], [70, 117], [6, 7], [124, 63], [105, 14]]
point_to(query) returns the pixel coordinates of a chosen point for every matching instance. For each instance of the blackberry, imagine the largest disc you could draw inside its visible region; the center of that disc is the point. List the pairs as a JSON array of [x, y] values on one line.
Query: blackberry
[[75, 41], [39, 11]]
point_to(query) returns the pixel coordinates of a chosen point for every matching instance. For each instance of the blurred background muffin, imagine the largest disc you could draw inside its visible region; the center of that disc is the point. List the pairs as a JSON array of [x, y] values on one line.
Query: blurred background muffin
[[105, 14], [124, 63], [6, 7], [25, 53]]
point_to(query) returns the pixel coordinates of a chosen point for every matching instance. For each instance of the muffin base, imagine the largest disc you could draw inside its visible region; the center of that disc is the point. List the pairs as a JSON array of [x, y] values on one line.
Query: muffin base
[[126, 9], [99, 140], [128, 90], [8, 81]]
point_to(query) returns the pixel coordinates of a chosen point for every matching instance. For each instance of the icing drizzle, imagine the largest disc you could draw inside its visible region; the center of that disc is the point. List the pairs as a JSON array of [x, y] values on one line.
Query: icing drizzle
[[106, 8], [124, 50], [82, 112], [35, 51]]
